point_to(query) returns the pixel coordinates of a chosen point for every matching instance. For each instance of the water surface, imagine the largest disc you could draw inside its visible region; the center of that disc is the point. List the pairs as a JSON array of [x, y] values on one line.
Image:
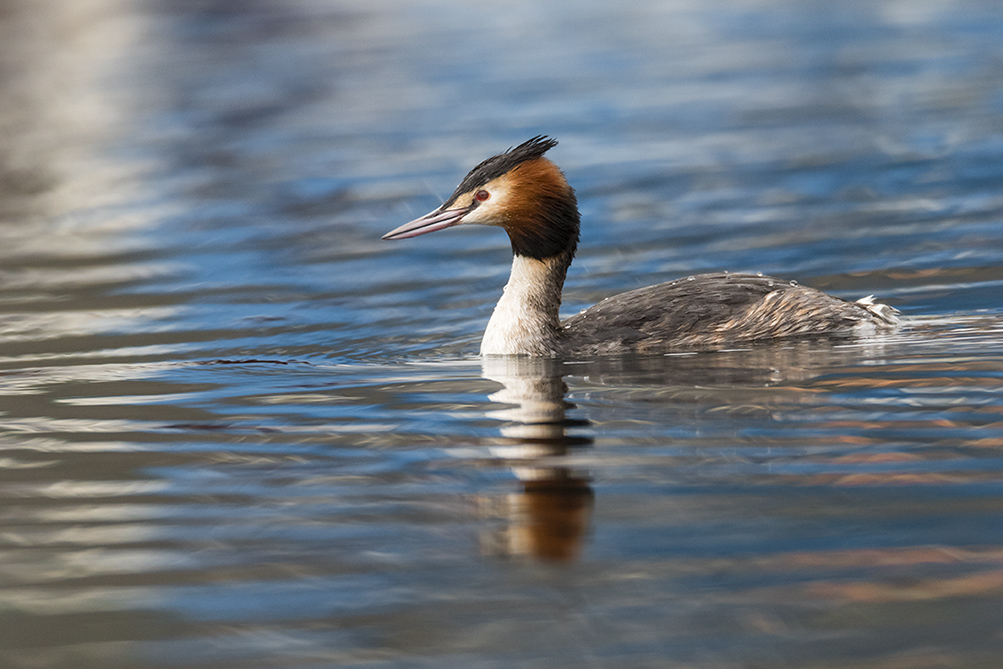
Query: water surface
[[238, 430]]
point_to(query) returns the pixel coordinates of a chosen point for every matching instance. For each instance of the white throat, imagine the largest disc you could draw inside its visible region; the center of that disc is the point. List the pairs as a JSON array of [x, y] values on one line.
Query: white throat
[[525, 320]]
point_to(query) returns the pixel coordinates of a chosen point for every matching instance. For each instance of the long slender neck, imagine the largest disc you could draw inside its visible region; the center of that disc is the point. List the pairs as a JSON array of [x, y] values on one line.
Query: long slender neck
[[525, 320]]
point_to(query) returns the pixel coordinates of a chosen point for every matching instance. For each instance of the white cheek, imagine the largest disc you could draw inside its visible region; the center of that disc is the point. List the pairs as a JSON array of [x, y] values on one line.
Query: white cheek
[[486, 213], [489, 212]]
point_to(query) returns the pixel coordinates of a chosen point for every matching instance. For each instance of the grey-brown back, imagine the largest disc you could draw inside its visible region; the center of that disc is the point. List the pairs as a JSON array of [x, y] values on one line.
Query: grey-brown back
[[712, 310]]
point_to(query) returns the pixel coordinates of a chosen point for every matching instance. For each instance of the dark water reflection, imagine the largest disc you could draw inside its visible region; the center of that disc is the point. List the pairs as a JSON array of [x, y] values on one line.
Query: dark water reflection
[[237, 430]]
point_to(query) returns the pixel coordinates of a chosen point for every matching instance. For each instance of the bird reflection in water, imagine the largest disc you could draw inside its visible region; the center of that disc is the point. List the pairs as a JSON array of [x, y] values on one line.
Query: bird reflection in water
[[549, 518]]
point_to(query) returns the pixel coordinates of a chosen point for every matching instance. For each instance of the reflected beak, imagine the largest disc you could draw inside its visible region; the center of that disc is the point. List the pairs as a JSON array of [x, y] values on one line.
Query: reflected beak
[[436, 220]]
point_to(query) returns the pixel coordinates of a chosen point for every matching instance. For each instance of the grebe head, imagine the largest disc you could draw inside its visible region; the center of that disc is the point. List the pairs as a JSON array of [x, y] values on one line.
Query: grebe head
[[520, 191]]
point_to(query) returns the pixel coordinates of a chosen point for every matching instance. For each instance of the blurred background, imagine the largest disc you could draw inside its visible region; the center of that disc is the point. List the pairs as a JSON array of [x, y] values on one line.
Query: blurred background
[[237, 429]]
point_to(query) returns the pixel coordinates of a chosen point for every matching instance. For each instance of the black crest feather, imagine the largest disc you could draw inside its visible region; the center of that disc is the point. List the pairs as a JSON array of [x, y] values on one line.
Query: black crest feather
[[495, 166]]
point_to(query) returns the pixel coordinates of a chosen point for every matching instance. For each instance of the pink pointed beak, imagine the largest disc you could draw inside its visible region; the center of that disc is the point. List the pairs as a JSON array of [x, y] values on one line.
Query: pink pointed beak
[[436, 220]]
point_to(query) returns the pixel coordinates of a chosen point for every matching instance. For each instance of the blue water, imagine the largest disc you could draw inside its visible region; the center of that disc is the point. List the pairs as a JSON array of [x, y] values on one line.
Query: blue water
[[239, 430]]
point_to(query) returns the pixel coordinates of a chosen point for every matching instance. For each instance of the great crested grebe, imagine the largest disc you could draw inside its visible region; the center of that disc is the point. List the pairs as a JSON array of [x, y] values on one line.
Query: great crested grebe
[[528, 196]]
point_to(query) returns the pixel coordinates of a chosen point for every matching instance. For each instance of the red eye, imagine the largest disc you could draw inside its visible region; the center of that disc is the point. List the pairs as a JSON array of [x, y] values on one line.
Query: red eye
[[482, 195]]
